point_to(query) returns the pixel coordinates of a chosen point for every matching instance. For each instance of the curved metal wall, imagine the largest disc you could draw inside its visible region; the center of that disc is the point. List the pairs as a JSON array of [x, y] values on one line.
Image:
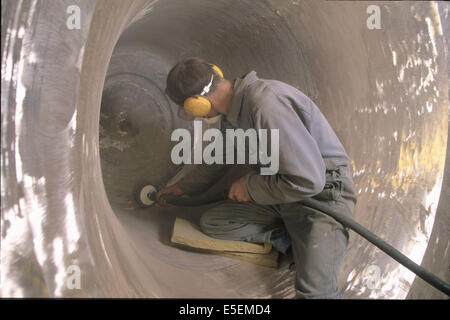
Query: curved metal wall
[[70, 158]]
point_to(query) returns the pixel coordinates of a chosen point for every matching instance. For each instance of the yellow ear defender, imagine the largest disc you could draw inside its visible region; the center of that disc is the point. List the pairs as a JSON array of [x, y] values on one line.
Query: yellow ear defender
[[217, 69], [198, 105]]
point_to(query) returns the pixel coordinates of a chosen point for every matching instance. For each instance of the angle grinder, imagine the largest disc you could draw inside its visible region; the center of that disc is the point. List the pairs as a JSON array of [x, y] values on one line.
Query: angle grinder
[[146, 197]]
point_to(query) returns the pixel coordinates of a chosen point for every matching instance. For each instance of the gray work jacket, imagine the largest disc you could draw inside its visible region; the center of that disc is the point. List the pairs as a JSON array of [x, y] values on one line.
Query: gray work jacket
[[305, 140]]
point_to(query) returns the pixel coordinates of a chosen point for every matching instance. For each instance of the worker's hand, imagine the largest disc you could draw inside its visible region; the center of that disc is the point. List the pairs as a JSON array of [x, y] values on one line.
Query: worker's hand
[[172, 190], [237, 191]]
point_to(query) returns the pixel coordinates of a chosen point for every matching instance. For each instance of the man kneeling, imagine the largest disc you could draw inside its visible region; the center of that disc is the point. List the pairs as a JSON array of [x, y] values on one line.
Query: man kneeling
[[265, 208]]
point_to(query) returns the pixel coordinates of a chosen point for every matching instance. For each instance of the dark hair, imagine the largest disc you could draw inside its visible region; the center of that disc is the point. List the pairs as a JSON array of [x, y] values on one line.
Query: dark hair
[[188, 78]]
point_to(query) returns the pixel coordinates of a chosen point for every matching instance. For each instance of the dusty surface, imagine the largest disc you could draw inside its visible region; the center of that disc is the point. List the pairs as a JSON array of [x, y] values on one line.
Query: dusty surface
[[85, 120]]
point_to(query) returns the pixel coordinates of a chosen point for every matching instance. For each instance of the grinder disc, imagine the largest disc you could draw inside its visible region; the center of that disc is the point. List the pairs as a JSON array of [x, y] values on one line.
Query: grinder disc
[[144, 195]]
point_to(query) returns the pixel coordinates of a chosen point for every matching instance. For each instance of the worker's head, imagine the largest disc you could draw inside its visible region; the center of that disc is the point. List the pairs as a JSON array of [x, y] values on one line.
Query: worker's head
[[195, 85]]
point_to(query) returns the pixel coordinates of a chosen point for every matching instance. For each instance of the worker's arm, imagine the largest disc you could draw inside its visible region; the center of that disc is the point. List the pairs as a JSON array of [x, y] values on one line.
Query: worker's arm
[[301, 171], [202, 177], [198, 180]]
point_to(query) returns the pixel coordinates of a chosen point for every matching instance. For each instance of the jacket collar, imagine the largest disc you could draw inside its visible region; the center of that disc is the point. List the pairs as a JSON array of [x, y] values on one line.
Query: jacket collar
[[240, 84]]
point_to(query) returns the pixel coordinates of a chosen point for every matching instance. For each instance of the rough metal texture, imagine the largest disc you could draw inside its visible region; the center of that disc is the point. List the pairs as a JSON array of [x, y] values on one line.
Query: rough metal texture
[[70, 158]]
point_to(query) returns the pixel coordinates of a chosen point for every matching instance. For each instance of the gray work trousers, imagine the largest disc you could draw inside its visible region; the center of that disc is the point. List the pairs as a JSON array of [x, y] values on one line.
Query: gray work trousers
[[318, 241]]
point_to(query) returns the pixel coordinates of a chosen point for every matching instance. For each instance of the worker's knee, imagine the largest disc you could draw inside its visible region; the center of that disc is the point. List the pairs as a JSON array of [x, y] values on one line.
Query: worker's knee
[[217, 224], [207, 224], [220, 225], [240, 222]]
